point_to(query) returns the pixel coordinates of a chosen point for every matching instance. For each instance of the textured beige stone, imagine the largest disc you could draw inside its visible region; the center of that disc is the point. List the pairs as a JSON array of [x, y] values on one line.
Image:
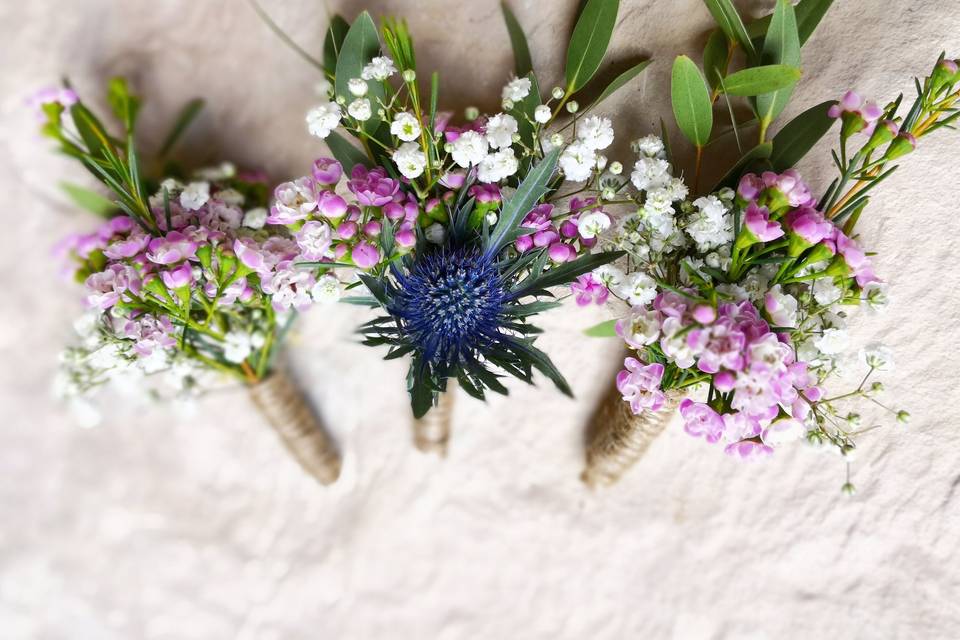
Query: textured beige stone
[[158, 526]]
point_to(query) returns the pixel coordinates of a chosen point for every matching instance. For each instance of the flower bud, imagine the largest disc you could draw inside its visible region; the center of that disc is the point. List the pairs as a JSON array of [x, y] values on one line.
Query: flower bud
[[616, 168], [507, 104], [409, 76], [853, 123], [358, 87], [556, 139], [848, 488], [902, 145], [608, 194], [885, 131], [471, 113], [341, 100], [557, 93], [903, 417], [573, 106], [876, 387], [943, 76], [853, 419]]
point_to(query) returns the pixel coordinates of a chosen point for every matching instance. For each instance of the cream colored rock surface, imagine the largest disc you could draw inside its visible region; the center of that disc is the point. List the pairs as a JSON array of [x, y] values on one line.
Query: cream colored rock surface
[[160, 526]]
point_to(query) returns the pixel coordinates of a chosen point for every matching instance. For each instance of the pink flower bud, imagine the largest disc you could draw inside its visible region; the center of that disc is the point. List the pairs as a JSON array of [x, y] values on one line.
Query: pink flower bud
[[704, 313], [346, 230], [524, 243], [560, 252], [327, 171], [331, 205], [393, 211], [372, 228], [365, 255]]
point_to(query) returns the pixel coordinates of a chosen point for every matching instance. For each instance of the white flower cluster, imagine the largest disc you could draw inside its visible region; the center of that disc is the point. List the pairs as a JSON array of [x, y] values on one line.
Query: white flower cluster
[[580, 158]]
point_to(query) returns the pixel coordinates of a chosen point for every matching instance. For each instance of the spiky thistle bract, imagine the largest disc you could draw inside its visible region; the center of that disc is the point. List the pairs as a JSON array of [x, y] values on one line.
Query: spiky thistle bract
[[461, 309]]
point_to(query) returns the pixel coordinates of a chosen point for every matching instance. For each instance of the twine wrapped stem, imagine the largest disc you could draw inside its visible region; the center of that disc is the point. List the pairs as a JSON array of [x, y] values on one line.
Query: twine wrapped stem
[[287, 410], [431, 433]]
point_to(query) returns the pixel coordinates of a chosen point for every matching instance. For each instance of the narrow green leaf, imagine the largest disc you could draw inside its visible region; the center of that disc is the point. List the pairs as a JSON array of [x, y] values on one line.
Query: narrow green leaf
[[186, 116], [606, 329], [716, 58], [376, 287], [521, 51], [523, 200], [543, 364], [757, 80], [619, 82], [89, 200], [360, 46], [588, 44], [729, 20], [333, 43], [781, 46], [345, 153], [799, 135], [421, 393], [124, 104], [566, 272], [732, 177], [282, 35], [691, 101], [809, 14]]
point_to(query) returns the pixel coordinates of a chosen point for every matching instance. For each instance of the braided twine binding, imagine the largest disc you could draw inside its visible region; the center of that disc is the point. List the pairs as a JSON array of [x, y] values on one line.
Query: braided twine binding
[[286, 408], [616, 438], [431, 433]]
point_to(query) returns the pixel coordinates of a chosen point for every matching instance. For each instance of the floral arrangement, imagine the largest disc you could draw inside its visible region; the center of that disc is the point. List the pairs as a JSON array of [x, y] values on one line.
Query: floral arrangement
[[464, 226], [738, 295], [188, 279]]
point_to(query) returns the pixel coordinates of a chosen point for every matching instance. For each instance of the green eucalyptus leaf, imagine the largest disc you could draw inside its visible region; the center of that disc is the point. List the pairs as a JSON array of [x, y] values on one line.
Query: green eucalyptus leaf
[[799, 135], [729, 20], [757, 80], [186, 116], [781, 46], [333, 43], [523, 64], [89, 200], [716, 57], [523, 200], [345, 153], [692, 106], [589, 41], [606, 329], [360, 46]]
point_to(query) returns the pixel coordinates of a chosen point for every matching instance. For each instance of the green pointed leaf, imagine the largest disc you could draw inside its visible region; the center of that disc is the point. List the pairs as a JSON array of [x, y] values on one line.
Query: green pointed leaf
[[542, 363], [124, 104], [376, 287], [781, 46], [333, 43], [729, 20], [757, 80], [619, 82], [566, 272], [521, 51], [187, 114], [421, 392], [809, 14], [716, 58], [606, 329], [360, 46], [732, 177], [692, 106], [589, 41], [345, 153], [89, 200], [799, 135], [523, 200]]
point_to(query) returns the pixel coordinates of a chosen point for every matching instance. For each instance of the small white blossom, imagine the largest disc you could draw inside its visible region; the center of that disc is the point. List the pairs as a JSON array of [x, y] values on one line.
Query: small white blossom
[[711, 225], [877, 356], [516, 90], [500, 130], [595, 132], [469, 149], [498, 166], [327, 289], [405, 126], [323, 119], [609, 275], [195, 195], [650, 146], [641, 327], [650, 173], [638, 289], [833, 341], [358, 87], [578, 162], [435, 233], [360, 109], [542, 114], [379, 69], [255, 218], [592, 224], [826, 292], [782, 307], [236, 346], [410, 160]]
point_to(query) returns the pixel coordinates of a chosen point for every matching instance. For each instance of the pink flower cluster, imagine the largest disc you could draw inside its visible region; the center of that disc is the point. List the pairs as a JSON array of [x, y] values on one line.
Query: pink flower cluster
[[558, 233]]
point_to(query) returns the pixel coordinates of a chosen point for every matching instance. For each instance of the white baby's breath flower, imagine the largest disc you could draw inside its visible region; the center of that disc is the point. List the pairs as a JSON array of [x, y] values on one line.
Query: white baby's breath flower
[[500, 130], [833, 341], [638, 289], [255, 218], [826, 292], [650, 146], [405, 126], [326, 290], [609, 275], [516, 90], [877, 356], [578, 162], [469, 149], [650, 173], [497, 166], [410, 160], [358, 87], [595, 132], [542, 114], [236, 346], [379, 69], [323, 119], [360, 109], [195, 195], [710, 226], [592, 224]]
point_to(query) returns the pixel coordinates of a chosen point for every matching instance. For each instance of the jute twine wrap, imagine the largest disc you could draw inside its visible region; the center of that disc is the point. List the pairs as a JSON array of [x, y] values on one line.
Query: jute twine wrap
[[616, 438], [431, 433], [285, 407]]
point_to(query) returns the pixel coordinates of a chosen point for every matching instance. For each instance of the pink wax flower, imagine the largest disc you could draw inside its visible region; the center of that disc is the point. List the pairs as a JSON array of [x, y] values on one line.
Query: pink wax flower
[[720, 346], [249, 253], [539, 217], [857, 115], [704, 313], [560, 252], [365, 255], [314, 239], [327, 171], [639, 384], [453, 179], [486, 193], [749, 450], [523, 243], [346, 230], [405, 236], [700, 420], [587, 289], [106, 287], [740, 426], [757, 222], [150, 332], [372, 228], [569, 228], [373, 188], [790, 184], [126, 248], [393, 211], [724, 381], [331, 205], [293, 201], [583, 205], [809, 225], [174, 247], [178, 277], [670, 304], [545, 238], [750, 186]]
